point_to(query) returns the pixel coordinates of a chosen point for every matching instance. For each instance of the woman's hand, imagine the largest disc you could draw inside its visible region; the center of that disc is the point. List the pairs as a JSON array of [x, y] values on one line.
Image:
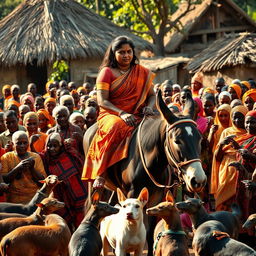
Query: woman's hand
[[148, 111], [214, 128], [227, 140], [34, 138], [128, 118]]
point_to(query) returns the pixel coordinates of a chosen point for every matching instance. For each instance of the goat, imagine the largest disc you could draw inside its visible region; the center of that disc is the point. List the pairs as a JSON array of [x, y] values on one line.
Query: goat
[[86, 240], [169, 237], [46, 207], [51, 239], [48, 184]]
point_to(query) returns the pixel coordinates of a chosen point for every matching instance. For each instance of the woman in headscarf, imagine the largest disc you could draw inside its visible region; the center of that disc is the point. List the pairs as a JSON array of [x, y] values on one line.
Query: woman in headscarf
[[221, 122], [6, 91], [196, 84], [235, 90], [202, 122], [46, 121], [67, 164], [22, 170], [27, 99], [224, 178], [249, 98], [50, 104], [37, 138], [224, 98]]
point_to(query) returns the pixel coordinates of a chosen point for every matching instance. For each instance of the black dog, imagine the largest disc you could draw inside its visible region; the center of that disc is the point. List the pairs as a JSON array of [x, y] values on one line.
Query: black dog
[[211, 239], [198, 214], [86, 240]]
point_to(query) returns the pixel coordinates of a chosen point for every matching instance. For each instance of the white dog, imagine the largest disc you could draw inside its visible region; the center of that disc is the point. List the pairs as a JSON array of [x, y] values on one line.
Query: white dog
[[125, 231]]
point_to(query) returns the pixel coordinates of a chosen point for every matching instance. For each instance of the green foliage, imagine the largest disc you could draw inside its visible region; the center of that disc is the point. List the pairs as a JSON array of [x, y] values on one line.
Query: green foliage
[[6, 6], [249, 6], [60, 71]]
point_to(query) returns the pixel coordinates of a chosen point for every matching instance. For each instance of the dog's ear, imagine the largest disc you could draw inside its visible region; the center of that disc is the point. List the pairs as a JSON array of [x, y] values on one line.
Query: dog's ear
[[120, 195], [143, 196], [95, 197], [169, 197]]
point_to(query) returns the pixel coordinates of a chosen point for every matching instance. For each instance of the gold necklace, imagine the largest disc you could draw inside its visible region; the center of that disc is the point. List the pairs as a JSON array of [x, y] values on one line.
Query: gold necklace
[[122, 72]]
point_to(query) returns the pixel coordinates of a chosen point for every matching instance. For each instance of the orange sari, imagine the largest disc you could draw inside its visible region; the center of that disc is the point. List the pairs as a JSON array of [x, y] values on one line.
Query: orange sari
[[224, 178], [110, 144]]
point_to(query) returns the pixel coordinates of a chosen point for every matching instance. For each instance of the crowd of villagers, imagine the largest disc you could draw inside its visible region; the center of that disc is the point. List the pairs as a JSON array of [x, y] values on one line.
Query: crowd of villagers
[[43, 135]]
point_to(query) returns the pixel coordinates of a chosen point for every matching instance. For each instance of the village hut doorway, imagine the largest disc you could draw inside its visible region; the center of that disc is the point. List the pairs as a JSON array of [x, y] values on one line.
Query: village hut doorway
[[38, 75]]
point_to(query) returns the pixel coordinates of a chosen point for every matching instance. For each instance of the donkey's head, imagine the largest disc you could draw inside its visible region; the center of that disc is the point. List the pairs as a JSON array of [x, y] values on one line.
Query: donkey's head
[[183, 144]]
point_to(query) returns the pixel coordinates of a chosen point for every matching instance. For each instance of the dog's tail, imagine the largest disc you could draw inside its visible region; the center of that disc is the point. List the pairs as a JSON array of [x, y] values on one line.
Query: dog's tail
[[236, 211]]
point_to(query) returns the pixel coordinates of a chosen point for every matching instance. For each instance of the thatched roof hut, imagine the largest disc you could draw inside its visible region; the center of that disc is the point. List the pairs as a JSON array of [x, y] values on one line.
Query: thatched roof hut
[[39, 32], [205, 23], [233, 56]]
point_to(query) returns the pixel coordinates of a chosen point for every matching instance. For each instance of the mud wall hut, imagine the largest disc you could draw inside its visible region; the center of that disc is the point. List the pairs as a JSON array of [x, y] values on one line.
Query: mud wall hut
[[231, 57]]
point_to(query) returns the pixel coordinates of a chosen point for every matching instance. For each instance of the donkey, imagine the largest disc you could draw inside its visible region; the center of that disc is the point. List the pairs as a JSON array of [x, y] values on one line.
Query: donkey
[[158, 142]]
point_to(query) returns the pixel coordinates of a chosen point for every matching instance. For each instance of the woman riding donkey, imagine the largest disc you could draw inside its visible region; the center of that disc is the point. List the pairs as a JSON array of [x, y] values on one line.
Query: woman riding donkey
[[124, 93]]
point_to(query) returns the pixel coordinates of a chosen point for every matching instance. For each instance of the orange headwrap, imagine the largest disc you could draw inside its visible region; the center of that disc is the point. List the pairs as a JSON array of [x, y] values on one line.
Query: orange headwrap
[[49, 99], [209, 90], [247, 84], [48, 84], [13, 102], [45, 113], [238, 90], [81, 88], [251, 93], [7, 86]]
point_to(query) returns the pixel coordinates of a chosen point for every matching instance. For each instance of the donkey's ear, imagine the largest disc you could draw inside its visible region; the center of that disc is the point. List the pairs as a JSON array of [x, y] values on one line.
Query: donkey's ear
[[165, 111], [143, 196], [189, 108], [95, 197], [120, 195], [169, 197]]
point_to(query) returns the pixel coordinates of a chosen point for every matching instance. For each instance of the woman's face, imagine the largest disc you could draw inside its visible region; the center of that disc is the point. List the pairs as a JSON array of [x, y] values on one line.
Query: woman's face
[[249, 103], [29, 103], [79, 121], [7, 92], [196, 86], [53, 147], [42, 121], [31, 125], [208, 106], [233, 93], [250, 124], [62, 118], [224, 117], [15, 93], [50, 106], [225, 100], [39, 104], [21, 145], [238, 119], [124, 55]]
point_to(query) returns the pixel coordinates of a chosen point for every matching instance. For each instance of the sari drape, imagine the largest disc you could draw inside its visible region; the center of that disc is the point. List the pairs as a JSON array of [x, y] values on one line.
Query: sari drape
[[110, 143], [223, 177]]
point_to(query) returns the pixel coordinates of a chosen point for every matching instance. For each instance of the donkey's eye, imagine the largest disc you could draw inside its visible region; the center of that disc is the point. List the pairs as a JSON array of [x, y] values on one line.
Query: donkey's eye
[[137, 206], [124, 206], [177, 141]]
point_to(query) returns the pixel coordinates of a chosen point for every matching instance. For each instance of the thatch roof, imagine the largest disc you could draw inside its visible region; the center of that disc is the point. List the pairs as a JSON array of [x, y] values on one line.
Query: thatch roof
[[160, 63], [50, 30], [230, 51], [174, 39]]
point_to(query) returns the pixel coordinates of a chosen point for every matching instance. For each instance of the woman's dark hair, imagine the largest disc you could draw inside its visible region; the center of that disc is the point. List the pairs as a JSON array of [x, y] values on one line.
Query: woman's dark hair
[[109, 58]]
